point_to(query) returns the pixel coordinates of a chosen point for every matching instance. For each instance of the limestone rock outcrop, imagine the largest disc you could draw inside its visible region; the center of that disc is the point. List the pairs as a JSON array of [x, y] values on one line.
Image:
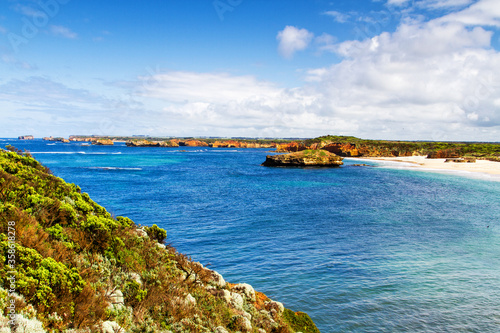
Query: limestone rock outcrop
[[103, 142], [305, 158]]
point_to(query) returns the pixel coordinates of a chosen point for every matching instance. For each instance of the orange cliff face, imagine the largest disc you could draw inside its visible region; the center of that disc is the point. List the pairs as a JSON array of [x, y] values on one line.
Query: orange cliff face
[[342, 149], [240, 144], [147, 143], [193, 143], [200, 143], [291, 147]]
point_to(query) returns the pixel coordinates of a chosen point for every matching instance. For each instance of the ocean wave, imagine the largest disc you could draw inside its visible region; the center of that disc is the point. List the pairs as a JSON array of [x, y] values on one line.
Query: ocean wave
[[114, 168], [58, 152], [73, 152]]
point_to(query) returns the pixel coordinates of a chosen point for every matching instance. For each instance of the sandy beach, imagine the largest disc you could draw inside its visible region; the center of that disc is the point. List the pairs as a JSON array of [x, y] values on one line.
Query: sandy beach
[[424, 164]]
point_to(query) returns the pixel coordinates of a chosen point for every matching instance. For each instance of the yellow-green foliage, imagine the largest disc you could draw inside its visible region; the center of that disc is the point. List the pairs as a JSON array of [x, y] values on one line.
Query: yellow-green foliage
[[156, 233], [41, 280], [300, 321]]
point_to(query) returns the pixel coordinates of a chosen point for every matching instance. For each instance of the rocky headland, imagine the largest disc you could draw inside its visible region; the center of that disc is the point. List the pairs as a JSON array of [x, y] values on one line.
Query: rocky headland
[[78, 269], [103, 142], [304, 158], [199, 143], [348, 146]]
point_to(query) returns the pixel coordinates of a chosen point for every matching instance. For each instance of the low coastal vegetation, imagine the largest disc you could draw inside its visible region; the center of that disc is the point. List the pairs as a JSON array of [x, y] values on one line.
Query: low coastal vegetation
[[349, 146], [68, 265]]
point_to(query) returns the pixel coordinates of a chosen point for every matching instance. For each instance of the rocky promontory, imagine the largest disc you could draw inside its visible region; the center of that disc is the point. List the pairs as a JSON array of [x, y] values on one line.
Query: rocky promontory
[[103, 142], [349, 146], [79, 269], [304, 158]]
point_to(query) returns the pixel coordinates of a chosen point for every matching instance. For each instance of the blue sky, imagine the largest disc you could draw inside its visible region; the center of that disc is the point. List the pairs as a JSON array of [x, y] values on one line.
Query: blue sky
[[385, 69]]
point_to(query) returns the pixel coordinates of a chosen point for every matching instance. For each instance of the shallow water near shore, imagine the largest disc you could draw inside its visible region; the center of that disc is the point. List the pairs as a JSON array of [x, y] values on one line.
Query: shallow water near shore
[[359, 249]]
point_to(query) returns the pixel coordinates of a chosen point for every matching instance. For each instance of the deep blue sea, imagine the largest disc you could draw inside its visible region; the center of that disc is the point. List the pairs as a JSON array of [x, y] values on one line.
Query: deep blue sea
[[360, 249]]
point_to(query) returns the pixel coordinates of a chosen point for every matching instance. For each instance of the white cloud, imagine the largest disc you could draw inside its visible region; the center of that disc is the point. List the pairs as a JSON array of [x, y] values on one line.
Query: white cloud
[[397, 2], [437, 80], [482, 13], [3, 30], [440, 76], [292, 39], [440, 4], [58, 30], [13, 61], [204, 87], [29, 11], [237, 105], [337, 16]]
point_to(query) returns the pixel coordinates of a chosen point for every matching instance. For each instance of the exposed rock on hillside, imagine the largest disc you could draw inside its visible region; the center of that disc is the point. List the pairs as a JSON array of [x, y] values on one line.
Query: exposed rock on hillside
[[193, 143], [445, 153], [315, 158], [147, 143]]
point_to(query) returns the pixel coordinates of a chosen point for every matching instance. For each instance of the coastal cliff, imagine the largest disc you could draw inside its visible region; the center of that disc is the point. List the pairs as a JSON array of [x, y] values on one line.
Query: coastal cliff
[[199, 143], [68, 265], [348, 146]]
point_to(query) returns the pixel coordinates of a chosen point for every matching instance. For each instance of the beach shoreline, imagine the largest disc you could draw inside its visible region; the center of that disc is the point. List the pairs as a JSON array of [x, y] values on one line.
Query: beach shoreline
[[422, 163]]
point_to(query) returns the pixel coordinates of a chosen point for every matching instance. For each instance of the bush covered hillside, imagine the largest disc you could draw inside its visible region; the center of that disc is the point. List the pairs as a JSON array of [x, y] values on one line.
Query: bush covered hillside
[[67, 265]]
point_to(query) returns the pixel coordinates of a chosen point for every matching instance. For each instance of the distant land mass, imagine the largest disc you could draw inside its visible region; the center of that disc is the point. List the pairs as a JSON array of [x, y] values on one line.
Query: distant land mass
[[345, 146]]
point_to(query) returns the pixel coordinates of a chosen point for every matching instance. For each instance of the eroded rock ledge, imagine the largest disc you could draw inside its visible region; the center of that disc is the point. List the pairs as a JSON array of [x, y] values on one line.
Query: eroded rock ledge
[[305, 158]]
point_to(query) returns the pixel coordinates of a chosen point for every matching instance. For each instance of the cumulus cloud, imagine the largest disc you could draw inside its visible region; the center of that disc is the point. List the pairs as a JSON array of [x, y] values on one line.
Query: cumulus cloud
[[440, 4], [397, 2], [439, 76], [205, 87], [292, 39], [58, 30], [482, 13], [429, 80]]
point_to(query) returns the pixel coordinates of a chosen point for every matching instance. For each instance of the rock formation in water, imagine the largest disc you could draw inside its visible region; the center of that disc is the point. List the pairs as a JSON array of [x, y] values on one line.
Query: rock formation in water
[[103, 142], [304, 158]]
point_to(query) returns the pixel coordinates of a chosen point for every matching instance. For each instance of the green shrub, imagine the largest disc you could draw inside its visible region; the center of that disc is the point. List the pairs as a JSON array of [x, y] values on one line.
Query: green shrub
[[125, 221], [41, 280], [156, 233], [57, 233], [300, 321]]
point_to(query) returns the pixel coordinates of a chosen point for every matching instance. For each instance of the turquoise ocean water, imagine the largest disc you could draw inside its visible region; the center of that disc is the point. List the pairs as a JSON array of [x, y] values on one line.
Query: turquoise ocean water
[[360, 249]]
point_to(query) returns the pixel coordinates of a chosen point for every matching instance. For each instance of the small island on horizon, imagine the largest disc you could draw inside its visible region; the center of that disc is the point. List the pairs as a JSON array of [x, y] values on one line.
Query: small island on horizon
[[344, 146]]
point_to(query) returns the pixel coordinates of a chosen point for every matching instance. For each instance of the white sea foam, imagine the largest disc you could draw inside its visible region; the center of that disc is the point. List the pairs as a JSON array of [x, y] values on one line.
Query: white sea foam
[[114, 168], [58, 152], [73, 152]]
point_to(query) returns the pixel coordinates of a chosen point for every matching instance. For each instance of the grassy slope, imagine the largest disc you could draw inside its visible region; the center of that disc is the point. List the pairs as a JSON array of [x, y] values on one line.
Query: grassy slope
[[71, 256]]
